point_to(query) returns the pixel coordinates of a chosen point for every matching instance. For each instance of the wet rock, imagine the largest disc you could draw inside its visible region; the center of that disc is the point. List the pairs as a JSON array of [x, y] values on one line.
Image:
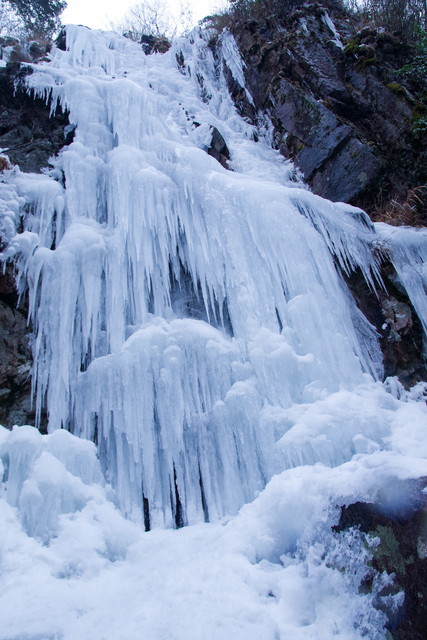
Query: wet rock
[[336, 163], [28, 132], [61, 40], [15, 360], [397, 523], [314, 131], [349, 171], [216, 147], [397, 324], [154, 44]]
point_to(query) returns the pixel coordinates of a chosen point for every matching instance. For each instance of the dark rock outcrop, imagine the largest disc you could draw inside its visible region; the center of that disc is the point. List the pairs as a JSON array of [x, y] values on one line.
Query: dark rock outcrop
[[217, 147], [154, 44], [397, 324], [12, 50], [398, 522], [27, 131], [336, 164], [15, 358], [31, 136], [339, 106]]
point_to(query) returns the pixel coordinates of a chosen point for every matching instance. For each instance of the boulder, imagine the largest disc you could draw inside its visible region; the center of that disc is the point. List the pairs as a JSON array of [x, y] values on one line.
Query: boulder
[[399, 329], [215, 145], [397, 524], [218, 148]]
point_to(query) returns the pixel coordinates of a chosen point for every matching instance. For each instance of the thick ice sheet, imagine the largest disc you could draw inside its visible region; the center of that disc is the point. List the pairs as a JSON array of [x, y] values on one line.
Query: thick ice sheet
[[193, 293]]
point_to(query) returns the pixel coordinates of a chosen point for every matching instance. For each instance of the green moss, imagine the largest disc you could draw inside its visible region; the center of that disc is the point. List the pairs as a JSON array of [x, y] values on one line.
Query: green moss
[[419, 111], [396, 88], [387, 554], [366, 62], [420, 125], [311, 109], [419, 119], [351, 48], [300, 147]]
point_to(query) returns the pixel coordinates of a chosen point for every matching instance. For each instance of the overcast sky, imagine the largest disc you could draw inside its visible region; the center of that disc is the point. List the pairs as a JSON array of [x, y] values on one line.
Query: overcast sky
[[98, 14]]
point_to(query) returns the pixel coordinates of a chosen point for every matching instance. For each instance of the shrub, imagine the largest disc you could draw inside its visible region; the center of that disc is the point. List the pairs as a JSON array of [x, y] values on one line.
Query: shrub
[[402, 16], [417, 68], [259, 9]]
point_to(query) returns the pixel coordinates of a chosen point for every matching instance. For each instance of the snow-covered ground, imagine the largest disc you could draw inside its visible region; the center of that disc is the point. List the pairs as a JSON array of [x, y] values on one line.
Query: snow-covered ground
[[192, 321]]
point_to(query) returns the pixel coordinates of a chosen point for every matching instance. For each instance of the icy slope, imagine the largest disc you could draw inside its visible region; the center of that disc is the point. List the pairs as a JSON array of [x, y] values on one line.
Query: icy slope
[[72, 567]]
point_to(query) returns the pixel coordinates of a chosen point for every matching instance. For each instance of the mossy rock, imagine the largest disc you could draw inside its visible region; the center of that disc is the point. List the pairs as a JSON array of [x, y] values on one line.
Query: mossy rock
[[420, 126], [397, 88], [387, 555], [419, 119], [367, 62], [351, 48]]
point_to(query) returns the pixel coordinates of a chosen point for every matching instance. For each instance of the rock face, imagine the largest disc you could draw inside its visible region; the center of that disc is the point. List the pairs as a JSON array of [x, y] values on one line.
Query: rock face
[[31, 136], [337, 102], [15, 358], [218, 148], [27, 131], [154, 44], [400, 550], [397, 324]]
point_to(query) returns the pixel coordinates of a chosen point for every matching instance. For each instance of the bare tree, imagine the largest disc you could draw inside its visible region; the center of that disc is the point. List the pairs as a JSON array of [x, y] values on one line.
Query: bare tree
[[154, 17], [10, 22]]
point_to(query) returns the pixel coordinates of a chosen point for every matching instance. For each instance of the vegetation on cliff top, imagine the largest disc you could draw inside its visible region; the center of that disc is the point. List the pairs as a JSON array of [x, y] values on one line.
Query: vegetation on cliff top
[[30, 18], [402, 16]]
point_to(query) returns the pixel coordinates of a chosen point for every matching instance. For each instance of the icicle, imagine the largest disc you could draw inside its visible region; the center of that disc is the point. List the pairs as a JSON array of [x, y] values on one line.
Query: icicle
[[407, 250]]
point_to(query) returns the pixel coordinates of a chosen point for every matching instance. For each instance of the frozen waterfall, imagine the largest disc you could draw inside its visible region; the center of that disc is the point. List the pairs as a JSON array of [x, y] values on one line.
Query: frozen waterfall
[[175, 302], [192, 326]]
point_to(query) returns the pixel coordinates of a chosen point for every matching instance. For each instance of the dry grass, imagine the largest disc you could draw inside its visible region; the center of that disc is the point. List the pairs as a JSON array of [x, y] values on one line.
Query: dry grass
[[4, 163], [410, 210]]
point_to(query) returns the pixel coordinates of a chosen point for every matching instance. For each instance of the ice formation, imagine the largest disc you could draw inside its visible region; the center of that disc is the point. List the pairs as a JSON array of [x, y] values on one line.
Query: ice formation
[[193, 321]]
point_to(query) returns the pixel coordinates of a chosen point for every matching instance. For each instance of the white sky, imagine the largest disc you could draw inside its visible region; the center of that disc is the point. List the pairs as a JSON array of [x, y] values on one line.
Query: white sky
[[98, 14]]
